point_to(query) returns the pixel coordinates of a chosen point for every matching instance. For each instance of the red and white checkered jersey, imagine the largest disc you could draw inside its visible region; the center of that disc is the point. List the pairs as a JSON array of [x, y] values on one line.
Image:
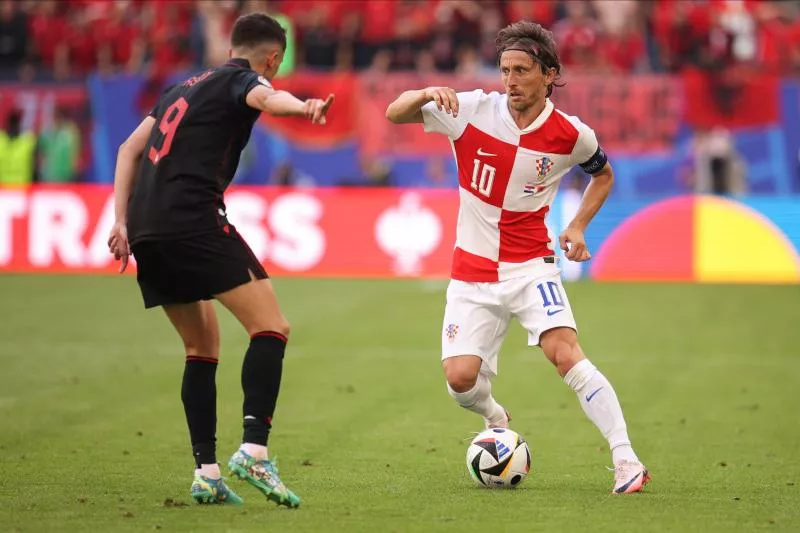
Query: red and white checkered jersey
[[508, 177]]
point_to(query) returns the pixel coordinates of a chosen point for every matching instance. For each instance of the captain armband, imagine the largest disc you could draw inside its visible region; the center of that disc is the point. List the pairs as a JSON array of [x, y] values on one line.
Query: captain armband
[[596, 162]]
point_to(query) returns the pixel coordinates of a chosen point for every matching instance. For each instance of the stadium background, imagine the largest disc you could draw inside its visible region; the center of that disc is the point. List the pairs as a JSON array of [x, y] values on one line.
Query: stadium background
[[697, 103]]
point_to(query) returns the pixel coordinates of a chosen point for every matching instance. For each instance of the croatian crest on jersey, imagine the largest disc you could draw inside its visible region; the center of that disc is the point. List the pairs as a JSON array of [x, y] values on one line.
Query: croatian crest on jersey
[[543, 166], [451, 331]]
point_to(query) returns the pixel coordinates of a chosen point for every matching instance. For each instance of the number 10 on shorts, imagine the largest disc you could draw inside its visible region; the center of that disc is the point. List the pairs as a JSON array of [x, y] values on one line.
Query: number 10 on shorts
[[551, 294]]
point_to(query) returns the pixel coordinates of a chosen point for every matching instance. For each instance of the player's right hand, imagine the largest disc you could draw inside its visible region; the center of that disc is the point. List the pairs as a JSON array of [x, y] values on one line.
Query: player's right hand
[[445, 98], [118, 245], [316, 109], [574, 245]]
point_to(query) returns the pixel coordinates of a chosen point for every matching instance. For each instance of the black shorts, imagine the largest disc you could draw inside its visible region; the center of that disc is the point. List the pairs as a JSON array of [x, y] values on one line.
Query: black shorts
[[179, 271]]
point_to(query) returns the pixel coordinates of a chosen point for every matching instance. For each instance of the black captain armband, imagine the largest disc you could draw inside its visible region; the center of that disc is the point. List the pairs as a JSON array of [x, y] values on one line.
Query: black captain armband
[[596, 162]]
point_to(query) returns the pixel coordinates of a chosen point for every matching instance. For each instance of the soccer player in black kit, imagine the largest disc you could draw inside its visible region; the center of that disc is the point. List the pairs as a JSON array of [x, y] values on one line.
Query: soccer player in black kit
[[170, 178]]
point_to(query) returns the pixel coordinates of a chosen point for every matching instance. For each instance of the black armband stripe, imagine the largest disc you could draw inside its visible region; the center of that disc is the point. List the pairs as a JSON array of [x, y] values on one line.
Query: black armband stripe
[[596, 162]]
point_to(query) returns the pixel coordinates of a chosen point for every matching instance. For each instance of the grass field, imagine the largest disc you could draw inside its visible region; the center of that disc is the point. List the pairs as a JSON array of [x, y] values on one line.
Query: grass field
[[93, 436]]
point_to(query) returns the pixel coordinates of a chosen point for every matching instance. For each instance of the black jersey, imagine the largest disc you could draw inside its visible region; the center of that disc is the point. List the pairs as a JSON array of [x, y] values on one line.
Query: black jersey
[[202, 126]]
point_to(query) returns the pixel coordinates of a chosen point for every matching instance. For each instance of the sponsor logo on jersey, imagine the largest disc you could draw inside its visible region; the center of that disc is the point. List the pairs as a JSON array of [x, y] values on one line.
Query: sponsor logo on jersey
[[263, 81]]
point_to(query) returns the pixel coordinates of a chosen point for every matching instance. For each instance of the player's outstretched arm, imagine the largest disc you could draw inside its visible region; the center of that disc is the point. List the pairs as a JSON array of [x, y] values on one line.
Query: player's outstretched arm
[[128, 156], [285, 104], [572, 240], [407, 108]]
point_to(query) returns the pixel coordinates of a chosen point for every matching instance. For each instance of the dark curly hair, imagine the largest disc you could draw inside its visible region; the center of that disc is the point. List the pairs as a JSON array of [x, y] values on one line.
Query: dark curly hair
[[534, 40]]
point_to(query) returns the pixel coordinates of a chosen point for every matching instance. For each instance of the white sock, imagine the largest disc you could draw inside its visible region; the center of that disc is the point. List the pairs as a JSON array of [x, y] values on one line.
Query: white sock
[[600, 403], [209, 471], [254, 450], [479, 399]]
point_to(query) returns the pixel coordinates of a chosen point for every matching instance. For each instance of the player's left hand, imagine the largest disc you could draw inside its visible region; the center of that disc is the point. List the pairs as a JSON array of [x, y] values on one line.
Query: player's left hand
[[118, 245], [316, 109], [574, 245]]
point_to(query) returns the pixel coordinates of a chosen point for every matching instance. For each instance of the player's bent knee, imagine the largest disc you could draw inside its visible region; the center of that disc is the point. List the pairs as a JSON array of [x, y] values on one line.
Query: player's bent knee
[[461, 382], [461, 376], [284, 328]]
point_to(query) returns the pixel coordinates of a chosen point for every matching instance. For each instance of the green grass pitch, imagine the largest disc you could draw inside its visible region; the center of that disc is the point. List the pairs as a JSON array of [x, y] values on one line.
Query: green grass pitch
[[92, 435]]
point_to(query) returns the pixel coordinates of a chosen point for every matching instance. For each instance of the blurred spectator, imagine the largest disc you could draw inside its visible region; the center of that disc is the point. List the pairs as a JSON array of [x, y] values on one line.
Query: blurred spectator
[[440, 173], [169, 25], [621, 44], [718, 167], [542, 11], [623, 51], [45, 40], [463, 18], [682, 32], [59, 150], [82, 44], [381, 61], [468, 63], [779, 37], [442, 46], [736, 21], [375, 172], [71, 39], [14, 39], [376, 31], [616, 16], [426, 63], [577, 36], [492, 21], [17, 153], [49, 30], [120, 41], [214, 19], [319, 39], [287, 175]]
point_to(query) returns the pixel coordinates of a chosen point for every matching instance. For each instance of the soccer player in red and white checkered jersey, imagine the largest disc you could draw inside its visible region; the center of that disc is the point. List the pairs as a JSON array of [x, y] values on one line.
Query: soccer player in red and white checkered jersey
[[512, 150]]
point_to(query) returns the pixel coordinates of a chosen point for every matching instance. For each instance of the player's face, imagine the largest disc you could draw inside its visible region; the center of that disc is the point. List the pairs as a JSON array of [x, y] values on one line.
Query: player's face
[[524, 80]]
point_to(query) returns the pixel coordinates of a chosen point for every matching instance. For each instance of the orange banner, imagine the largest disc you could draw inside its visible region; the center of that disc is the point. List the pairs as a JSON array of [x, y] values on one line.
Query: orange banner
[[299, 232]]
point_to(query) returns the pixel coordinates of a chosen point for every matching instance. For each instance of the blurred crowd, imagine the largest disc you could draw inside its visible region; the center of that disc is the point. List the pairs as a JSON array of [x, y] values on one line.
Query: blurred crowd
[[60, 40], [66, 39]]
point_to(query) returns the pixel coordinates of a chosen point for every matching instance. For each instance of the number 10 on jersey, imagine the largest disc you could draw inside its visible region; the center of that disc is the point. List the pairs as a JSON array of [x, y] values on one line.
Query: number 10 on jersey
[[482, 177]]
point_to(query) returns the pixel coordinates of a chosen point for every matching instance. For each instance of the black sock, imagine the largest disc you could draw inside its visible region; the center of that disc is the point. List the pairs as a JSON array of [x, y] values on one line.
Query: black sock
[[199, 395], [261, 380]]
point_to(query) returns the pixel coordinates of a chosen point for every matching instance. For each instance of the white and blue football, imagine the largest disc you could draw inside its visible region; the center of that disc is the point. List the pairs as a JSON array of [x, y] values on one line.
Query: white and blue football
[[499, 458]]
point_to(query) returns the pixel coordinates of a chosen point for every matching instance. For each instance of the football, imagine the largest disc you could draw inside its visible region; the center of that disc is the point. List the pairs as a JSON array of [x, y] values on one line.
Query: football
[[498, 457]]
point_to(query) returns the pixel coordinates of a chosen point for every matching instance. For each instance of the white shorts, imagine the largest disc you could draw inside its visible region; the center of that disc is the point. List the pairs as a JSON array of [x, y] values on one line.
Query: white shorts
[[477, 315]]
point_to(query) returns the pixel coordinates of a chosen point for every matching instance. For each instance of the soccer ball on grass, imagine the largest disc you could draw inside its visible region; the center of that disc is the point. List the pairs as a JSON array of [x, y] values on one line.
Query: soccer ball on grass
[[498, 457]]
